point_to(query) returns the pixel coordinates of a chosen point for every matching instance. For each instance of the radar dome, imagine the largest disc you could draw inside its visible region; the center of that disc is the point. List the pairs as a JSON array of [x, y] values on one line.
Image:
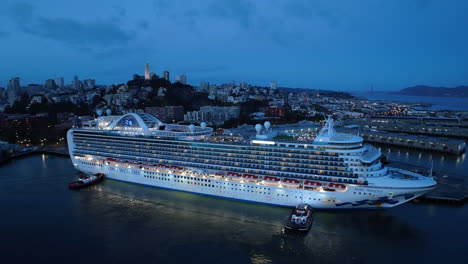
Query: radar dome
[[108, 112], [203, 124], [191, 127], [258, 127], [267, 125], [99, 112]]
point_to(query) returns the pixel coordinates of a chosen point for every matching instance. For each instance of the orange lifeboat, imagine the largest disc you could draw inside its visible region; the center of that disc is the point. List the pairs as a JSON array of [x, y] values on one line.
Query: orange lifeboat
[[291, 182], [312, 184], [271, 179], [234, 176], [336, 186], [250, 176]]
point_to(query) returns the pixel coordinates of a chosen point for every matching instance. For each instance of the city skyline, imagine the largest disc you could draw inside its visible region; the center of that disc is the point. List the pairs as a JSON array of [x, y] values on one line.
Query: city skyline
[[317, 45]]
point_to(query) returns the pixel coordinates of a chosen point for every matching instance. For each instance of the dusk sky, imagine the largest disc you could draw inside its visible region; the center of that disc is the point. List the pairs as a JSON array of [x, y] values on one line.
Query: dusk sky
[[339, 45]]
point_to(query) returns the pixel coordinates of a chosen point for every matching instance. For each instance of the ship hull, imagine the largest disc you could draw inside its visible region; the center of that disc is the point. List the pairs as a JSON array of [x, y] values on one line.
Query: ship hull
[[355, 197]]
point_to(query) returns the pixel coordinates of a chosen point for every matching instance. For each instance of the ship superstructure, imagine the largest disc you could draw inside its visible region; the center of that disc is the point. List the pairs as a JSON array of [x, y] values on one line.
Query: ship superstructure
[[336, 170]]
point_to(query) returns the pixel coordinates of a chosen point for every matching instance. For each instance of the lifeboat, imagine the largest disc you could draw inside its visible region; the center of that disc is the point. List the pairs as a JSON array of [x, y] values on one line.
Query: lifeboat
[[234, 176], [336, 186], [176, 168], [312, 184], [271, 179], [250, 177], [291, 182]]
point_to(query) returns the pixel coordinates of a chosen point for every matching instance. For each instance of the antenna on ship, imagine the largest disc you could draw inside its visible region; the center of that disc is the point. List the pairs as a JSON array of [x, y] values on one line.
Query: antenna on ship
[[430, 171], [267, 125], [258, 128]]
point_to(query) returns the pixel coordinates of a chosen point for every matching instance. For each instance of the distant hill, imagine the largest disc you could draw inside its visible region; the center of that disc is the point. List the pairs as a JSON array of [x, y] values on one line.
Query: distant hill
[[423, 90]]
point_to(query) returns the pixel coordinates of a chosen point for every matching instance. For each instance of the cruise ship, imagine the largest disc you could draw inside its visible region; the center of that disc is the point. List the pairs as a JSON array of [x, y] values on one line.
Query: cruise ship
[[334, 171]]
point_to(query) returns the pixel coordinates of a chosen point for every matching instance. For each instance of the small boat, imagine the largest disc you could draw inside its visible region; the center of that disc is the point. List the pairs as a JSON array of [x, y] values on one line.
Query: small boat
[[291, 182], [312, 184], [301, 218], [234, 176], [86, 181], [250, 177], [335, 187]]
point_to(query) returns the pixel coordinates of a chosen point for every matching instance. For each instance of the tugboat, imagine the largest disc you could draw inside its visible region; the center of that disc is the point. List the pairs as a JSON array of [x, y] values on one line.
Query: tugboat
[[86, 181], [301, 218]]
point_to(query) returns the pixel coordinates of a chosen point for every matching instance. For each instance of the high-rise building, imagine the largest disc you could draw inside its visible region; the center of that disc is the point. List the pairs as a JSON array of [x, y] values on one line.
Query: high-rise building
[[13, 90], [167, 113], [50, 84], [76, 83], [147, 72], [274, 85], [166, 75], [60, 82], [203, 88], [89, 83], [181, 78]]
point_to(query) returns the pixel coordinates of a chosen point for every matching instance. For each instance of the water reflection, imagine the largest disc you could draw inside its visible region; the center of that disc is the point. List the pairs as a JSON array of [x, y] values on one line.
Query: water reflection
[[254, 227], [133, 223]]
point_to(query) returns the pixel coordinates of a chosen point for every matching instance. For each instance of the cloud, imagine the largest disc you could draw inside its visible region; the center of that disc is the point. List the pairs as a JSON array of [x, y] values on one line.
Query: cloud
[[83, 35], [241, 11], [307, 10]]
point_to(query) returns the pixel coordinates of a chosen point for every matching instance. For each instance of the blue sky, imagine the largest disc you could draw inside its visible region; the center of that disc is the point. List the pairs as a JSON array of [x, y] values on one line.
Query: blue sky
[[339, 45]]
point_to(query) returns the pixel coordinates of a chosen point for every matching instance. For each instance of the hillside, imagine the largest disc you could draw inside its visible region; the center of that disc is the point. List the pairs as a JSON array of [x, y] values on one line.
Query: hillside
[[424, 90]]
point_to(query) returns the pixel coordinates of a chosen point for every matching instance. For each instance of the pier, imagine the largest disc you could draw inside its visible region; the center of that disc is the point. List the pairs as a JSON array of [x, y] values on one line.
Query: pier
[[49, 150], [446, 145]]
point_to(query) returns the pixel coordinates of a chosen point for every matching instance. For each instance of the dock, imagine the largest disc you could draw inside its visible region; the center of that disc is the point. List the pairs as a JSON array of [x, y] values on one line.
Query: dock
[[49, 150]]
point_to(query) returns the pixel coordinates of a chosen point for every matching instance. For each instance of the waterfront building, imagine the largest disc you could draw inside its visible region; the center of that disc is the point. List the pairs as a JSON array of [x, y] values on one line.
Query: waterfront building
[[213, 115], [167, 113], [275, 111]]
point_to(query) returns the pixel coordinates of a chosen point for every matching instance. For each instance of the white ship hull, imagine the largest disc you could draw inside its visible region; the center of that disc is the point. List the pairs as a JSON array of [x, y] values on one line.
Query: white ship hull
[[355, 196]]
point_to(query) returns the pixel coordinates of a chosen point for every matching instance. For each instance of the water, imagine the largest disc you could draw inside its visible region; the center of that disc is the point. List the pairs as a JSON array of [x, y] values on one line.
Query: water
[[116, 222], [438, 103]]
